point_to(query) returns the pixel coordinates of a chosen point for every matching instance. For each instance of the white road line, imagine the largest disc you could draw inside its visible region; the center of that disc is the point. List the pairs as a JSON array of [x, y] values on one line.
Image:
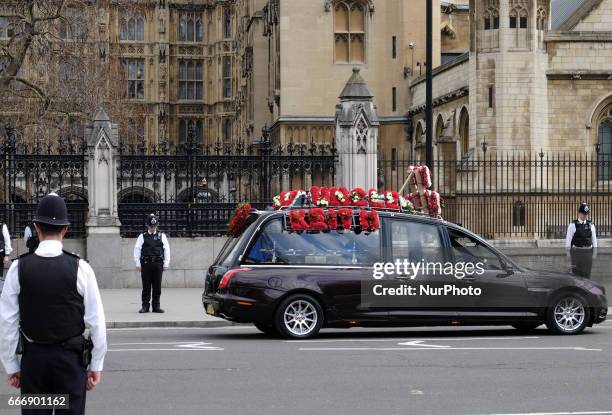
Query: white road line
[[180, 328], [347, 349], [405, 339], [178, 346], [166, 350], [560, 413]]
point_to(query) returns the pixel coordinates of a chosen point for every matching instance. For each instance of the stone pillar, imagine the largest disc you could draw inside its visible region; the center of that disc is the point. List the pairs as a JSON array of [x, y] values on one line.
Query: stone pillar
[[356, 135], [103, 239]]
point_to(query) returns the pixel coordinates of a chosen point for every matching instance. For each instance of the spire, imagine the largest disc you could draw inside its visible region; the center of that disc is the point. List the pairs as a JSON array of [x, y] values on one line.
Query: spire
[[356, 88]]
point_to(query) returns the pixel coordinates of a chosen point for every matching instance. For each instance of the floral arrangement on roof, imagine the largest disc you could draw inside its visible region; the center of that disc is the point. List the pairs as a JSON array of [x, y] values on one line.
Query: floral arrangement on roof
[[238, 220]]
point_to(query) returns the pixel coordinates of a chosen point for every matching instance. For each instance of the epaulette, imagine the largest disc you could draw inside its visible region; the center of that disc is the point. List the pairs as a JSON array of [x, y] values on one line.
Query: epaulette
[[71, 254]]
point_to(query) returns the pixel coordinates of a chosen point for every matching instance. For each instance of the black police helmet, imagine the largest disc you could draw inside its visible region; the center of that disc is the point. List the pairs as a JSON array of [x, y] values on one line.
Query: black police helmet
[[584, 208], [152, 220], [52, 210]]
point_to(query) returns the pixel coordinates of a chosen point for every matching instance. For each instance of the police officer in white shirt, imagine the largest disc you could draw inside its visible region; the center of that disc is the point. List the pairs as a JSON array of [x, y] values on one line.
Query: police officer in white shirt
[[50, 298], [581, 242], [5, 251], [151, 257]]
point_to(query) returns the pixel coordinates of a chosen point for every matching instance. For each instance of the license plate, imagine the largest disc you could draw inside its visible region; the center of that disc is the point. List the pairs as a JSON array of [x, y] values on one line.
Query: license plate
[[210, 309]]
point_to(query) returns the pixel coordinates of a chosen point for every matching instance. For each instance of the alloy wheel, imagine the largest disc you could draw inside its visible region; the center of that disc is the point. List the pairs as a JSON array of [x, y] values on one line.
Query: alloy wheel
[[300, 317], [569, 314]]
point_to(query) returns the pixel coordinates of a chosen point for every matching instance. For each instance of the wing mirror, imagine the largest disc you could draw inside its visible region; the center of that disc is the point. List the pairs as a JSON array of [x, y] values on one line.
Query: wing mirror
[[509, 268]]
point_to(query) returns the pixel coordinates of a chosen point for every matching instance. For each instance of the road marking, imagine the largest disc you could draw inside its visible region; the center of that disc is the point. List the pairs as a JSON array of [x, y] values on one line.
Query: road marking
[[560, 413], [404, 339], [181, 328], [420, 343], [346, 349], [178, 346]]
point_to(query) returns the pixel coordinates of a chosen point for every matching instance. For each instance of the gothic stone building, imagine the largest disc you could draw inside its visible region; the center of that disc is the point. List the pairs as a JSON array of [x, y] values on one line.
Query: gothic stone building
[[526, 84]]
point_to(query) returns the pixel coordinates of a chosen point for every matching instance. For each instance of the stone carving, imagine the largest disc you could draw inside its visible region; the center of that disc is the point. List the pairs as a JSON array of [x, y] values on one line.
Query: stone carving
[[328, 5]]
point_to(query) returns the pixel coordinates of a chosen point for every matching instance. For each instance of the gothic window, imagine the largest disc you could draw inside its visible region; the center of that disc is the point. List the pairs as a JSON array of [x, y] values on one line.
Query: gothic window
[[187, 125], [7, 27], [604, 153], [488, 38], [131, 29], [519, 22], [191, 80], [135, 71], [72, 26], [227, 131], [190, 27], [464, 131], [439, 127], [541, 25], [349, 31], [227, 23], [227, 77]]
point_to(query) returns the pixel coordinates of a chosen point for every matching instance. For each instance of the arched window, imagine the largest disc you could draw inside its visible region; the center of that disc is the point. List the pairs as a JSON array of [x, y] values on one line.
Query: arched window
[[349, 31], [227, 23], [199, 30], [604, 147], [123, 32], [227, 131], [140, 29], [182, 27], [541, 25], [439, 127], [131, 29], [190, 30], [464, 131], [519, 23], [190, 27], [188, 125]]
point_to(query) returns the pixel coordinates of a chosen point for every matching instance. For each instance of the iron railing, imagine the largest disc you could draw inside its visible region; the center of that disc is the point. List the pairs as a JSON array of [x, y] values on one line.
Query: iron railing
[[517, 195], [194, 188], [29, 171]]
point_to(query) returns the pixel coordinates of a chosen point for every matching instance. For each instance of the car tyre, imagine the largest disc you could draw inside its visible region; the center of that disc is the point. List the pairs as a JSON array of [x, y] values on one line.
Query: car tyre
[[299, 316], [266, 328], [526, 327], [568, 314]]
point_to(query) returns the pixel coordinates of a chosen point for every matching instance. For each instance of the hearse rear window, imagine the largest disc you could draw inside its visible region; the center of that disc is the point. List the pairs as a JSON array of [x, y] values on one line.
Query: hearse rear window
[[276, 245]]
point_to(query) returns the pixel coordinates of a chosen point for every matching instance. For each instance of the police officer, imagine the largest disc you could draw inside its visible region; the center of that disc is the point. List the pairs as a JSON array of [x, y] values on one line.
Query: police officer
[[581, 242], [5, 250], [30, 238], [151, 256], [50, 298]]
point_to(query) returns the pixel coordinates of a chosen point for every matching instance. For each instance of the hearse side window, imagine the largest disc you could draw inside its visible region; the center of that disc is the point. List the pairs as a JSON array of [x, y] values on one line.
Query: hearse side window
[[415, 241], [468, 249], [275, 245], [228, 251]]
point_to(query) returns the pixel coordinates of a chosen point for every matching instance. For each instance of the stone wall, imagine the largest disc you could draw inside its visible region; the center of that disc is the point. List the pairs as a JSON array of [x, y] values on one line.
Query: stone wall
[[191, 257]]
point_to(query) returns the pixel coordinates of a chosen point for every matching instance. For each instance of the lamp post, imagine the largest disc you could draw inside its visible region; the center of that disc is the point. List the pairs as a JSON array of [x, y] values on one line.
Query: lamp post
[[429, 89]]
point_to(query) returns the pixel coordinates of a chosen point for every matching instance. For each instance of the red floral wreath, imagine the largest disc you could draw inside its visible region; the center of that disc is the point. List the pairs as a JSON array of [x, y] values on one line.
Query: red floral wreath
[[316, 219], [368, 220], [346, 218], [236, 223], [297, 220]]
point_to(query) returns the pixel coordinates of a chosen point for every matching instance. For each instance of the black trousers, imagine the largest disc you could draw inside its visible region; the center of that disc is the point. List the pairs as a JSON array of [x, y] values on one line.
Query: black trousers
[[51, 369], [151, 274], [582, 261]]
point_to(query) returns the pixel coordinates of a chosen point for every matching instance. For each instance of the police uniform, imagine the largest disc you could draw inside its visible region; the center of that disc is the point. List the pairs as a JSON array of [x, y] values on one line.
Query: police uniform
[[581, 243], [50, 298], [151, 255], [30, 238]]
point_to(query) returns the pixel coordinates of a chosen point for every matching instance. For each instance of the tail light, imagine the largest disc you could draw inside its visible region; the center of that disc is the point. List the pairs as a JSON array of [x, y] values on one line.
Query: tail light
[[228, 276]]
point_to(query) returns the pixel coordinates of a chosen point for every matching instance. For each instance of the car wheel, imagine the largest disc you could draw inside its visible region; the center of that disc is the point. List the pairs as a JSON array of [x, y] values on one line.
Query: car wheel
[[526, 327], [569, 314], [265, 328], [299, 317]]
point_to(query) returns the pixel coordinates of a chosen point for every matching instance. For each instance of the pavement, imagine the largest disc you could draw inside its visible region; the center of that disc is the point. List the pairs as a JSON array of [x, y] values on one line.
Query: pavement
[[415, 371], [183, 308]]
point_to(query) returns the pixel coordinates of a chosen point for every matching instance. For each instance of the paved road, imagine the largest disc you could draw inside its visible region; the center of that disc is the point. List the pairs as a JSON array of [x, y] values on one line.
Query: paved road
[[236, 370]]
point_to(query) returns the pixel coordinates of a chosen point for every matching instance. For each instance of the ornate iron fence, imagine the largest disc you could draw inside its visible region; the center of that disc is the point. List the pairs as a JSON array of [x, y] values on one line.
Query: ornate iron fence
[[194, 188], [28, 171], [517, 195]]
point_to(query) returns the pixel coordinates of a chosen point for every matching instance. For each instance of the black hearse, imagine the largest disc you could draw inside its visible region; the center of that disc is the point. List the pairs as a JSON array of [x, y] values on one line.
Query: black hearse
[[295, 283]]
